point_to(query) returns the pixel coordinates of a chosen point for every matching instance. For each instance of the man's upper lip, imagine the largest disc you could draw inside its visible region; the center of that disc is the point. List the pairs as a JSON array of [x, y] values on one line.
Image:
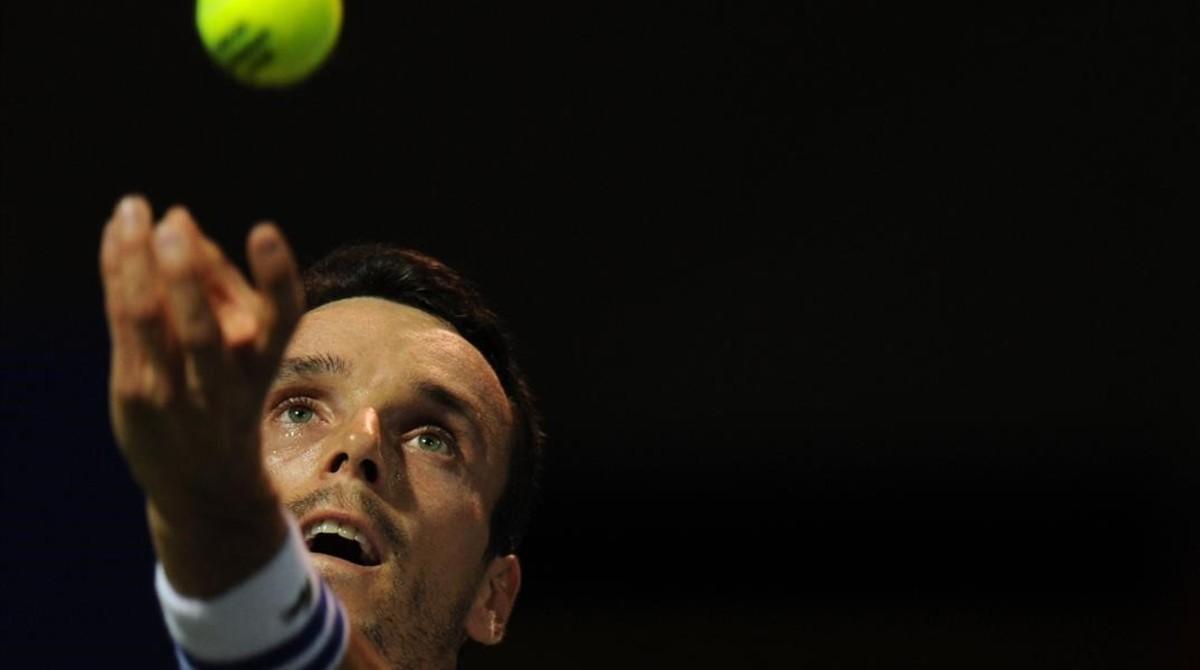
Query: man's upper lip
[[345, 518]]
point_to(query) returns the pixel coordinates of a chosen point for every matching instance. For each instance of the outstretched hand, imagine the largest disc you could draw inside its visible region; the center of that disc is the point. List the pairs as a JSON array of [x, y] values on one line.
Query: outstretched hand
[[194, 348]]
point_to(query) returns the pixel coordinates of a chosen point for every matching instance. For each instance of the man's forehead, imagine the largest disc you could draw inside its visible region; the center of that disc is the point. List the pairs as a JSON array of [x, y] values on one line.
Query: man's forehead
[[374, 335], [378, 331], [396, 318]]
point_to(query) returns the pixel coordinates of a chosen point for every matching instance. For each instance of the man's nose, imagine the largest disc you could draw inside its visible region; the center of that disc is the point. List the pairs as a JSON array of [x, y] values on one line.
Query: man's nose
[[356, 449]]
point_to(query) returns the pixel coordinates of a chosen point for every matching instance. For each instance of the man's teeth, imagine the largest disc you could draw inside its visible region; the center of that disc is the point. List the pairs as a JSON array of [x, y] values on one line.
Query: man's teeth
[[346, 531]]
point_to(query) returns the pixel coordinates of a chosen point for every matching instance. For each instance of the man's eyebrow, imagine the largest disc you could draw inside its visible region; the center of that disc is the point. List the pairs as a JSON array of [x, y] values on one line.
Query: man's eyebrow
[[314, 365]]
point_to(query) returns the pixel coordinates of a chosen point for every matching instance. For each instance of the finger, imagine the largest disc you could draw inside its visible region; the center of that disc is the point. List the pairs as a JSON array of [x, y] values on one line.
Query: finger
[[278, 278], [234, 301], [110, 277], [177, 248], [222, 274], [119, 331], [141, 360]]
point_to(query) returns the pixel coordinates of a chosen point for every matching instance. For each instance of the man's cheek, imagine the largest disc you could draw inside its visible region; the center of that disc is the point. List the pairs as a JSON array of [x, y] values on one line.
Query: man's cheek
[[442, 479], [461, 527], [287, 466]]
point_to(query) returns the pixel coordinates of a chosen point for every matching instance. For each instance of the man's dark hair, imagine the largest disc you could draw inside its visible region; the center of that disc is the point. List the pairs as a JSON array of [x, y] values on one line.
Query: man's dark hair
[[414, 279]]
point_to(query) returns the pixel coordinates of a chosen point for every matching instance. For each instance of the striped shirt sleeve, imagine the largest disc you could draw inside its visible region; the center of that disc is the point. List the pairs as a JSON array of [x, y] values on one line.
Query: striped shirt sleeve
[[283, 617]]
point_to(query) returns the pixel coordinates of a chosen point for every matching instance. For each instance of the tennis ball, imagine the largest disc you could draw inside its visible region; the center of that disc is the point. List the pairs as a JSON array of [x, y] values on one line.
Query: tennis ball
[[269, 43]]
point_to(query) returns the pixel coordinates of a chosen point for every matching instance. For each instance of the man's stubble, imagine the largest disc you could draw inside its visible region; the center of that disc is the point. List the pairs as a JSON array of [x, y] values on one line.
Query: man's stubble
[[412, 627]]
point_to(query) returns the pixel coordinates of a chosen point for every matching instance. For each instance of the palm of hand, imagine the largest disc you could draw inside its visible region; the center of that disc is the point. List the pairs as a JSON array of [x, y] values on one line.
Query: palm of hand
[[194, 346]]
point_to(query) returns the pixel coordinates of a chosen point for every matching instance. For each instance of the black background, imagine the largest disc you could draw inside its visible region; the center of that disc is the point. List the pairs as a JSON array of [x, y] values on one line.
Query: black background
[[864, 330]]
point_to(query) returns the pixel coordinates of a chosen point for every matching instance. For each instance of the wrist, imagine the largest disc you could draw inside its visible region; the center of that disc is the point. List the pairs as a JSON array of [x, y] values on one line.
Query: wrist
[[282, 616], [204, 552]]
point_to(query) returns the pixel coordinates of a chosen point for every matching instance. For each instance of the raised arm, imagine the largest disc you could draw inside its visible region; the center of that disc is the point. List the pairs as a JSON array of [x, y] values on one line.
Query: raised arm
[[194, 347]]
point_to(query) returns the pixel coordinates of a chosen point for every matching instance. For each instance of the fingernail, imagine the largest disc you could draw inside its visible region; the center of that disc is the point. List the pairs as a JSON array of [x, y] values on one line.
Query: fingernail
[[169, 244], [127, 206], [127, 211]]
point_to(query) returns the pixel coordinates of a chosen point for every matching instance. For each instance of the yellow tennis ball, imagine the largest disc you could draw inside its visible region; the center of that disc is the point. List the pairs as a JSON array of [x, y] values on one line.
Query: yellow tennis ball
[[269, 43]]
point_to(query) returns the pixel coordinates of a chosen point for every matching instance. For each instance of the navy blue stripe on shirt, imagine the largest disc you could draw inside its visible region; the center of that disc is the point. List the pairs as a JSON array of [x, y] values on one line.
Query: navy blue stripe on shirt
[[333, 645], [288, 650]]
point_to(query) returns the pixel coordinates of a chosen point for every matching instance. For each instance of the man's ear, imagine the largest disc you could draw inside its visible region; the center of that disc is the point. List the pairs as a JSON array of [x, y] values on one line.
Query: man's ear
[[488, 617]]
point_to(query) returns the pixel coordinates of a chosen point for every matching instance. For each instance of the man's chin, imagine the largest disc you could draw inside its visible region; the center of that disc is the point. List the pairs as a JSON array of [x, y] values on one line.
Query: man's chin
[[354, 584], [360, 589]]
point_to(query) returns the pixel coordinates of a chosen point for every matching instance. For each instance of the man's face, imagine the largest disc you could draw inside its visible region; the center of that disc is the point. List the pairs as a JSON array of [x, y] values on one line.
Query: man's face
[[387, 423]]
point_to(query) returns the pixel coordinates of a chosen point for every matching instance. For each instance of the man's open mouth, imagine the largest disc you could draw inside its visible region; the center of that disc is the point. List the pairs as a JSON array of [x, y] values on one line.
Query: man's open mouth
[[341, 540]]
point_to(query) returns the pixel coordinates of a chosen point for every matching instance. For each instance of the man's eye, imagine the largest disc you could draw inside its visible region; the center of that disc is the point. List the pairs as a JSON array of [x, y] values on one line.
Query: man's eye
[[434, 442], [297, 410], [299, 414]]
